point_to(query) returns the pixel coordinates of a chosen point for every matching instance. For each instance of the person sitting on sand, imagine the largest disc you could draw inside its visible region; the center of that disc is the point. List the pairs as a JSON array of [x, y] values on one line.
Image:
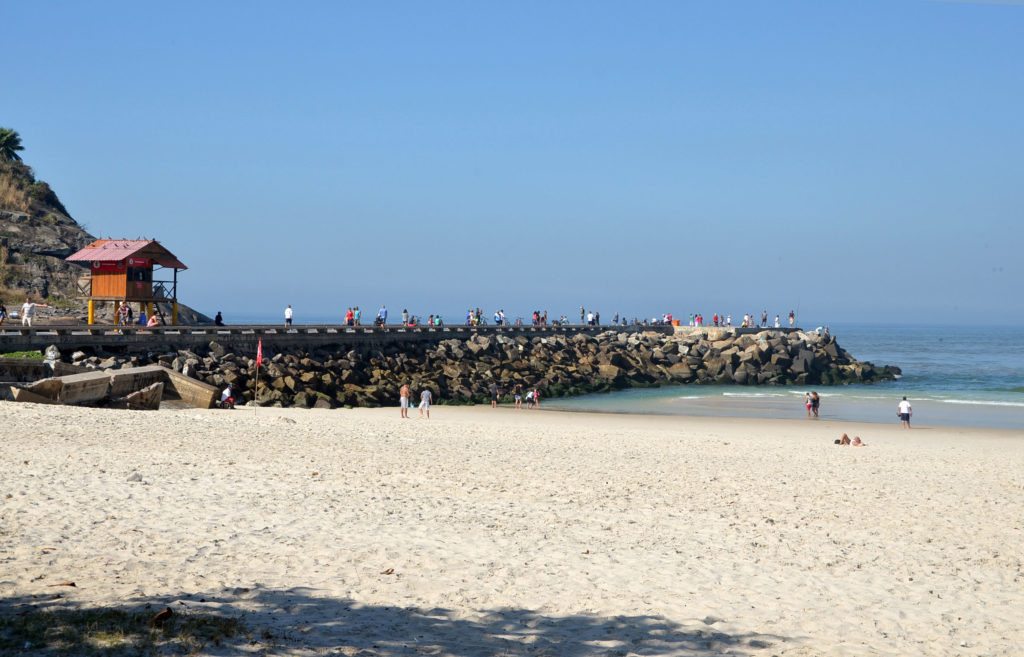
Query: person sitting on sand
[[857, 442]]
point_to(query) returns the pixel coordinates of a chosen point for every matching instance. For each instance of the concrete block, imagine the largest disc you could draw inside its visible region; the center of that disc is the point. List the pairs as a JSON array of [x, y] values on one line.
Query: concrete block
[[84, 388]]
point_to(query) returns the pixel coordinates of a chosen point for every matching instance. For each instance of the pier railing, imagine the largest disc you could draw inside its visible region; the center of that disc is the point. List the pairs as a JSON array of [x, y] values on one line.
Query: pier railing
[[238, 336]]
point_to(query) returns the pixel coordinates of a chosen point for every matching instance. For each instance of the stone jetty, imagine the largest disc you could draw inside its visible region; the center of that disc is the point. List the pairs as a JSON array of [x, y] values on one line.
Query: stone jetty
[[461, 370]]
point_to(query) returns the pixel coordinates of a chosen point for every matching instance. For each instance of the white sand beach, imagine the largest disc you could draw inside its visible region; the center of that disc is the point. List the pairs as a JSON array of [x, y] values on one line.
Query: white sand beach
[[503, 532]]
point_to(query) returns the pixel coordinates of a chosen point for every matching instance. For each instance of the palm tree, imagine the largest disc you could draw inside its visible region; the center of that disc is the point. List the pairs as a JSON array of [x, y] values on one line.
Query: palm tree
[[10, 144]]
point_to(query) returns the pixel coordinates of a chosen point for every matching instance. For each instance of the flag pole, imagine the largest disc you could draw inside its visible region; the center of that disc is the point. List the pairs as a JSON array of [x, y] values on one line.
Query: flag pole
[[256, 387]]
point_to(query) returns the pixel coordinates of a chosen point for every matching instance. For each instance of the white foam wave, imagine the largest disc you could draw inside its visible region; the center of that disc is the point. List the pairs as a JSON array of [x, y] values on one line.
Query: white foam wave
[[752, 394], [979, 402]]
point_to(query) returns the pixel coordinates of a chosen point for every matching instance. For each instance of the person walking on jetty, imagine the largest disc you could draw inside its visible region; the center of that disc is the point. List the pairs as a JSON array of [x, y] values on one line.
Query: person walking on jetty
[[28, 312], [403, 399], [792, 318], [904, 411], [289, 314], [382, 315], [3, 312], [405, 316], [425, 398]]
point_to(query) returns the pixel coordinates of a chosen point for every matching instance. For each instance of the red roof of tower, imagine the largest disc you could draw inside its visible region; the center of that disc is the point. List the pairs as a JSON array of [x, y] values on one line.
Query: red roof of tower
[[117, 250]]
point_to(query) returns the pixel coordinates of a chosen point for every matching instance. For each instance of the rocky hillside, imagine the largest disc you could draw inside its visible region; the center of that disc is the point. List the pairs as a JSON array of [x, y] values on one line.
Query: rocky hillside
[[36, 234]]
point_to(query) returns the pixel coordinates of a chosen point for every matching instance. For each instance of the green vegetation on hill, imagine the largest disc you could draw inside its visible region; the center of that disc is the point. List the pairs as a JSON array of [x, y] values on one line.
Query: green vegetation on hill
[[10, 144]]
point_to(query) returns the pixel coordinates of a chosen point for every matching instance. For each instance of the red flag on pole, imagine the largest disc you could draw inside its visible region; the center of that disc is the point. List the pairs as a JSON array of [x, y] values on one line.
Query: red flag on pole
[[256, 383]]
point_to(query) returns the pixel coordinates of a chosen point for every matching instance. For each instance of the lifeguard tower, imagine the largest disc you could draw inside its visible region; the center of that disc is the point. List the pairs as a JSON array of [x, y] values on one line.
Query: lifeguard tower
[[123, 270]]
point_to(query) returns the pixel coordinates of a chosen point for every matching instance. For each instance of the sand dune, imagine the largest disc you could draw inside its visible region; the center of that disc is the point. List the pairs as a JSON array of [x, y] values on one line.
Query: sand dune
[[484, 532]]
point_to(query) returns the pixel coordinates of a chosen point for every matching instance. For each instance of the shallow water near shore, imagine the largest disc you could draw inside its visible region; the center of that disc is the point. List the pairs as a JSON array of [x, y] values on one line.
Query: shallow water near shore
[[953, 376]]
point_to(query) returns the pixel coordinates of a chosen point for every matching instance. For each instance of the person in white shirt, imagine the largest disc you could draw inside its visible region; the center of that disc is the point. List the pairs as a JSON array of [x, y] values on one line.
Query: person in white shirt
[[288, 316], [28, 311], [905, 411], [227, 397]]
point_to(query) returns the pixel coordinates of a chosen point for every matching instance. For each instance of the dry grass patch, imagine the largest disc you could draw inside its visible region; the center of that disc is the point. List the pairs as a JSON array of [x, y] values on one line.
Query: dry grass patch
[[12, 196]]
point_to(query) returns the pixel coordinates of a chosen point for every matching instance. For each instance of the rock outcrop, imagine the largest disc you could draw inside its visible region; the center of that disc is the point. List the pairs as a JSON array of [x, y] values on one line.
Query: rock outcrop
[[461, 371]]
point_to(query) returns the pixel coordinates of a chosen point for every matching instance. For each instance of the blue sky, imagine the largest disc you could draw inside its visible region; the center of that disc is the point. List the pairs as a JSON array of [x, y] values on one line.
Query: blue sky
[[859, 160]]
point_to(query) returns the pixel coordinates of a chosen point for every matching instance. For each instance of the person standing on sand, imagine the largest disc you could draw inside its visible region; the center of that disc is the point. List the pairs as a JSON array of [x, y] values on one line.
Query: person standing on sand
[[807, 403], [403, 399], [815, 403], [425, 398], [904, 411], [288, 315], [517, 392], [494, 394]]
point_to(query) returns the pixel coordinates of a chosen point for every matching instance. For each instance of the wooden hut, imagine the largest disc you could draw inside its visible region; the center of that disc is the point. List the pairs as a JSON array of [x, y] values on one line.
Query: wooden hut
[[127, 270]]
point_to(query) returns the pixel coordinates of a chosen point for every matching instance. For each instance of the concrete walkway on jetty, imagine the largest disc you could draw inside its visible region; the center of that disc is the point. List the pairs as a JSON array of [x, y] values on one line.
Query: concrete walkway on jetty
[[245, 337]]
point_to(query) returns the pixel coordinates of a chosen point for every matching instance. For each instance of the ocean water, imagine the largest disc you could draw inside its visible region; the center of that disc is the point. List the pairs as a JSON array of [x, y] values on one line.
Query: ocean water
[[971, 376]]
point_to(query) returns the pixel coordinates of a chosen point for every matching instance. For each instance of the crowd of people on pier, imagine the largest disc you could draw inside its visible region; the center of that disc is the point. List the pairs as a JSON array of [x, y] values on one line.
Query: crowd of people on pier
[[477, 317]]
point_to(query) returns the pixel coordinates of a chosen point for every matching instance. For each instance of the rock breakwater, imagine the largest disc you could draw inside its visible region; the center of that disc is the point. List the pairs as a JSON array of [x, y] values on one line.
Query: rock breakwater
[[462, 370]]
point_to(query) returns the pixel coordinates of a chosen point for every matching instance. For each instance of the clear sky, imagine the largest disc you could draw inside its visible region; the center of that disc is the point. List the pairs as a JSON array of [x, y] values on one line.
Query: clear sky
[[859, 160]]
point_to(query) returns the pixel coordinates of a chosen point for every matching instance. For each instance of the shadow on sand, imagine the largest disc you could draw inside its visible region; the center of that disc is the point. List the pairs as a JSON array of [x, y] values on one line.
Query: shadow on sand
[[296, 621]]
